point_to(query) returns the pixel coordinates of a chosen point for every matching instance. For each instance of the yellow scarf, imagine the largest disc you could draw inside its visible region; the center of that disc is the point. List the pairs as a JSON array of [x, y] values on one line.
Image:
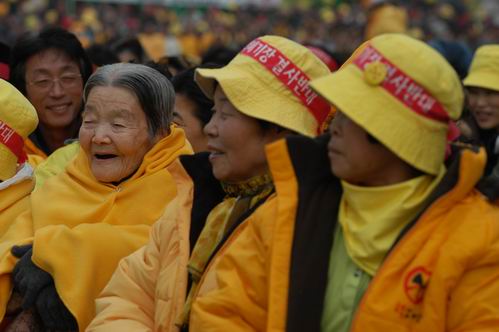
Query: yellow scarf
[[82, 227], [373, 217], [240, 198]]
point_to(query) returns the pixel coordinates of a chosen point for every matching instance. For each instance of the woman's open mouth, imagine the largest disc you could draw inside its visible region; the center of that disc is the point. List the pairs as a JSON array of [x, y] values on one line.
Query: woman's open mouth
[[104, 156]]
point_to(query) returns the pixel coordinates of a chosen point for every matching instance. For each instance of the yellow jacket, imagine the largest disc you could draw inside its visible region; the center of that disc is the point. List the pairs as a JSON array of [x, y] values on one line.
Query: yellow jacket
[[441, 275], [148, 289], [14, 197], [81, 228]]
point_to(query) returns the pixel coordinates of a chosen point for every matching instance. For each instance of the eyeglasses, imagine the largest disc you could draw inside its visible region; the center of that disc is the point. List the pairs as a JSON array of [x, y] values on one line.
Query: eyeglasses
[[65, 81]]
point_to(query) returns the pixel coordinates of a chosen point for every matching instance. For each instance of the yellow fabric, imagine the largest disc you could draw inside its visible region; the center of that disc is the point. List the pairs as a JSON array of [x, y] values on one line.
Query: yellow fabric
[[55, 163], [218, 223], [386, 18], [35, 160], [245, 74], [153, 44], [418, 140], [17, 113], [484, 70], [248, 279], [82, 227], [247, 294], [148, 289], [14, 200], [373, 217]]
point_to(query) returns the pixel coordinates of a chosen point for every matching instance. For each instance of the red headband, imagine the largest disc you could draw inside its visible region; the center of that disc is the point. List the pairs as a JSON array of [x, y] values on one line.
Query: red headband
[[401, 86], [13, 141], [290, 75]]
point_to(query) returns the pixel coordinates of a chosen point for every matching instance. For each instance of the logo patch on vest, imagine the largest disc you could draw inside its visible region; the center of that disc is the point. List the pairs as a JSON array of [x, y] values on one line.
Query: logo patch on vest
[[415, 284]]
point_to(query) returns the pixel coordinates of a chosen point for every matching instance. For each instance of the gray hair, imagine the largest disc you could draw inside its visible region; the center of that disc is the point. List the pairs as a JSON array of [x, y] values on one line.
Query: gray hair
[[153, 90]]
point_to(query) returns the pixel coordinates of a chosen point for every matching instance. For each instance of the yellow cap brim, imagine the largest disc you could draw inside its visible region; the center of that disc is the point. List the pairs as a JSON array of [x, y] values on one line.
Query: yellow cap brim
[[415, 139], [482, 80]]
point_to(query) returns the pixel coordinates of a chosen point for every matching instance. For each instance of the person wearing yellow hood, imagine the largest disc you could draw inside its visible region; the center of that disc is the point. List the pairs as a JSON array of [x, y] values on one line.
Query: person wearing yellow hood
[[371, 231], [482, 87], [17, 120], [100, 209], [260, 96]]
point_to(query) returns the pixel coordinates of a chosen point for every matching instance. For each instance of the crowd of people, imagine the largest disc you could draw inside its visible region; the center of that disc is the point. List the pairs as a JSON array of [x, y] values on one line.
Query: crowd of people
[[277, 186], [196, 28]]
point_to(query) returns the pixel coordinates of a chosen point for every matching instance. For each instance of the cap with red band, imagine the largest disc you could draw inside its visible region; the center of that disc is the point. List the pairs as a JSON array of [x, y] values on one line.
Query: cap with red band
[[289, 74], [378, 70], [403, 93], [269, 80], [18, 119], [13, 141]]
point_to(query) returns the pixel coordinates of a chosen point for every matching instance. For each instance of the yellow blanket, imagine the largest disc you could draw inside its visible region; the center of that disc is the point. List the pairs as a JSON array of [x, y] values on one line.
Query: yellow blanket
[[82, 228]]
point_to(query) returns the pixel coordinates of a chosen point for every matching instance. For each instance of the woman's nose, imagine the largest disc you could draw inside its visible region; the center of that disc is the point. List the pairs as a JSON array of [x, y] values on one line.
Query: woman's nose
[[210, 128], [101, 136]]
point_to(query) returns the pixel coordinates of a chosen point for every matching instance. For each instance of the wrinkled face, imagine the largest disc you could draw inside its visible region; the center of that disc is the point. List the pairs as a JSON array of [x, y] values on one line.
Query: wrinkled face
[[184, 116], [54, 86], [114, 133], [357, 160], [236, 142], [484, 105]]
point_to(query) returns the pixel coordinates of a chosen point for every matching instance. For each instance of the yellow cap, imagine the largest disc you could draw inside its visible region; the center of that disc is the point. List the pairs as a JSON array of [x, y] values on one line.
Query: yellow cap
[[258, 91], [484, 70], [364, 96], [18, 114]]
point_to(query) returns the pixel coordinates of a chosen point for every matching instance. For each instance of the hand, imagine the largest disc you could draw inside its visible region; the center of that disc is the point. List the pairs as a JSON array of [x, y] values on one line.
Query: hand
[[54, 314], [28, 278]]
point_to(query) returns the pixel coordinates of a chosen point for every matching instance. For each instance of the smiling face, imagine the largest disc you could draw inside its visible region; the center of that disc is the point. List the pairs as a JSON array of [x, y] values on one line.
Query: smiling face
[[484, 105], [236, 142], [54, 86], [114, 133], [358, 160]]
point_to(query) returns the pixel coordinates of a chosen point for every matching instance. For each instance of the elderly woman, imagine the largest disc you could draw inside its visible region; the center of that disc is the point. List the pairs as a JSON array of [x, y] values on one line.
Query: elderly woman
[[370, 230], [84, 220], [260, 96]]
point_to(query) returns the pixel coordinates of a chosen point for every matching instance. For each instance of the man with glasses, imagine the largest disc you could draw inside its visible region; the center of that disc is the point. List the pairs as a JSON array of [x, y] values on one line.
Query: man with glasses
[[50, 69]]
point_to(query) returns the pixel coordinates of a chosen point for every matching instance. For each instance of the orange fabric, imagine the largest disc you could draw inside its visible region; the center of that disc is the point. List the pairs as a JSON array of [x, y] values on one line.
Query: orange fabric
[[31, 148], [245, 288], [232, 294], [148, 289]]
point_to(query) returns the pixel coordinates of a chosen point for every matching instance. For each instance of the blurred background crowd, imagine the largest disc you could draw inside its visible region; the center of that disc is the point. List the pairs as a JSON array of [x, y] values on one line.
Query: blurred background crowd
[[191, 27]]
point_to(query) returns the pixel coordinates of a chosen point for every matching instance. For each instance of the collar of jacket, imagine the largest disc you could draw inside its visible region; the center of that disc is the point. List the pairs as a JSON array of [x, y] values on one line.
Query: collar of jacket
[[300, 164]]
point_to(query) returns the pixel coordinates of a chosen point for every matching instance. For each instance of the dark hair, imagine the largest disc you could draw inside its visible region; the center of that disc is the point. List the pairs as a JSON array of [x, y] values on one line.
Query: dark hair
[[153, 90], [220, 55], [4, 53], [50, 38], [101, 55], [129, 44], [184, 84], [160, 67]]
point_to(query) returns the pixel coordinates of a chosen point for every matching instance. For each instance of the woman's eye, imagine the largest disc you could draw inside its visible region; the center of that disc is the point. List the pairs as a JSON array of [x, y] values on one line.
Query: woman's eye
[[118, 125]]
